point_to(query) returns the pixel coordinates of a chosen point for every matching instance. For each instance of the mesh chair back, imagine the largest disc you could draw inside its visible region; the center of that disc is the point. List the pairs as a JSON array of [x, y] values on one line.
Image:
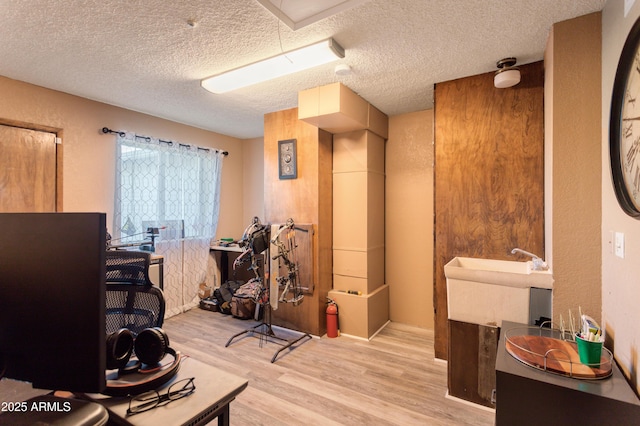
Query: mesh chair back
[[132, 301], [128, 267]]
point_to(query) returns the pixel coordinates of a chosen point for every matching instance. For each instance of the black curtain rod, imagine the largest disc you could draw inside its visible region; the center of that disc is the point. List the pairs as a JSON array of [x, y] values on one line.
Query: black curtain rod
[[120, 133]]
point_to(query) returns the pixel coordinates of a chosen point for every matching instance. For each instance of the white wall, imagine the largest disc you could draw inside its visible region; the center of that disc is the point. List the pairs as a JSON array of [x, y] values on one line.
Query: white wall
[[88, 163], [409, 153], [253, 180], [620, 277], [573, 165]]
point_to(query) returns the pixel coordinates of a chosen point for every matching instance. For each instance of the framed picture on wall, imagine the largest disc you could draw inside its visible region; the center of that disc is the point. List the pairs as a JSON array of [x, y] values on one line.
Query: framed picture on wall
[[287, 161]]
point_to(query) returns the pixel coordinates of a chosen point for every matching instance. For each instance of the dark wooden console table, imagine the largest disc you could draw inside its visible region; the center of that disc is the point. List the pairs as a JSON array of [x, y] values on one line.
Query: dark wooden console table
[[528, 396]]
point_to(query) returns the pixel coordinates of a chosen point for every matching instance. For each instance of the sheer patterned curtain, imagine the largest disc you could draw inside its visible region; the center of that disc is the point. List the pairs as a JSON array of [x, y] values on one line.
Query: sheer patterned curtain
[[176, 188]]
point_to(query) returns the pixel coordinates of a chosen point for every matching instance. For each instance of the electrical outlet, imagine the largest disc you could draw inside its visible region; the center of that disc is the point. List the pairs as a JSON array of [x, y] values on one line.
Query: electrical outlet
[[619, 245]]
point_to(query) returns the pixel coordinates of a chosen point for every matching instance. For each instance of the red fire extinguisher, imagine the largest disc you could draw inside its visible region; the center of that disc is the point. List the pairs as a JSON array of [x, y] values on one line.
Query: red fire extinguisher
[[332, 318]]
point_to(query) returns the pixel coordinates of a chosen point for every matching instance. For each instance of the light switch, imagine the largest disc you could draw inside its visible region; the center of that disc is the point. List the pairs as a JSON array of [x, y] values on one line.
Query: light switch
[[612, 237], [619, 245]]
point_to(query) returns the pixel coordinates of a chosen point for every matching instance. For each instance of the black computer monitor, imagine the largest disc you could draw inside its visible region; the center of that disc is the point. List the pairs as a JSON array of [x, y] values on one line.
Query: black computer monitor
[[52, 300]]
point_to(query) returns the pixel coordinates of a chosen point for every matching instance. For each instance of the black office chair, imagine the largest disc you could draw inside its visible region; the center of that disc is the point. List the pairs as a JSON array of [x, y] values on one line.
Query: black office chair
[[132, 301]]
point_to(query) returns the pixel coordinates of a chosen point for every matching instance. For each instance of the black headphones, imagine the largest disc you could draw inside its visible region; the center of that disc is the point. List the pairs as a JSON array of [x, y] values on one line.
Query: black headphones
[[150, 346]]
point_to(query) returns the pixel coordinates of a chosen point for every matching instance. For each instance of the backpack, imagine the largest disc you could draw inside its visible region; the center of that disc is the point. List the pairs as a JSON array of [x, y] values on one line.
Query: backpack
[[224, 295], [243, 302]]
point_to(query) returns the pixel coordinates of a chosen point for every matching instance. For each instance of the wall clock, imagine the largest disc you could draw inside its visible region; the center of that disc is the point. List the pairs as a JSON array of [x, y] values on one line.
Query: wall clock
[[624, 127], [287, 161]]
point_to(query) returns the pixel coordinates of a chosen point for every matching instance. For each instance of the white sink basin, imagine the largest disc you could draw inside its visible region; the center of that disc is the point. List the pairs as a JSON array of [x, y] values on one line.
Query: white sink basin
[[499, 272], [489, 291]]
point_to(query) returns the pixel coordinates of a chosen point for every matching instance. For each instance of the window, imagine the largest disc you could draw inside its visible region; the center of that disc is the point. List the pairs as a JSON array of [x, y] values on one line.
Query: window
[[175, 188], [165, 185]]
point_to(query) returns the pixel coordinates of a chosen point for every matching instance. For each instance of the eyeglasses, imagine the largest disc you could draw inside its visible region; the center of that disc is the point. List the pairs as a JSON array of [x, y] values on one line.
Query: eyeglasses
[[150, 400]]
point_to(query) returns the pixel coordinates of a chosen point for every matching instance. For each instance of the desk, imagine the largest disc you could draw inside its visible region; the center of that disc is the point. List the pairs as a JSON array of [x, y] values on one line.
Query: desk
[[215, 389], [527, 396], [221, 255], [156, 270], [226, 255]]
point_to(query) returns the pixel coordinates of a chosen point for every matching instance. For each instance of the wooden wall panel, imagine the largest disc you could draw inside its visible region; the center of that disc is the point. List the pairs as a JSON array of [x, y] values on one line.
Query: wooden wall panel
[[306, 199], [471, 364], [489, 175]]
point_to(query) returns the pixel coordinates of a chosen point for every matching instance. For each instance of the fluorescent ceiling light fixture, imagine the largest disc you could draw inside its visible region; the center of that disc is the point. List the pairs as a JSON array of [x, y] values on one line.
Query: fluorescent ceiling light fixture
[[286, 63]]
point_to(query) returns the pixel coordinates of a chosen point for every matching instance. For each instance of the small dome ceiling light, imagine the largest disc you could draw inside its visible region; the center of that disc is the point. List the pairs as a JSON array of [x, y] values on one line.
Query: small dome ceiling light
[[508, 75], [342, 70]]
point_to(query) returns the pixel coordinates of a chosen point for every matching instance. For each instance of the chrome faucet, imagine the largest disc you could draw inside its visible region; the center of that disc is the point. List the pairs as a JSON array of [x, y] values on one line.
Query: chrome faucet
[[538, 263]]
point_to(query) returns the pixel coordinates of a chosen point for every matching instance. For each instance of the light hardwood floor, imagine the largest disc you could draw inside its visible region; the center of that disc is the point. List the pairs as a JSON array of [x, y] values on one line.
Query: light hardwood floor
[[391, 380]]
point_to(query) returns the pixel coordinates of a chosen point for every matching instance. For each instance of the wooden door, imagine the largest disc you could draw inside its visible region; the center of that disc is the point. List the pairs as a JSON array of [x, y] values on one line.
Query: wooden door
[[27, 170]]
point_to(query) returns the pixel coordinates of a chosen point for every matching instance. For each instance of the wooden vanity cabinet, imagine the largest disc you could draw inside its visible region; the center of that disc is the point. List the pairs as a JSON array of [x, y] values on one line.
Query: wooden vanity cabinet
[[528, 396]]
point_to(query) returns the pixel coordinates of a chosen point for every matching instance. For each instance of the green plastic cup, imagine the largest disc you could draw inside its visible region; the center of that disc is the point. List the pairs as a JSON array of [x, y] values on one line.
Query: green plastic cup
[[589, 352]]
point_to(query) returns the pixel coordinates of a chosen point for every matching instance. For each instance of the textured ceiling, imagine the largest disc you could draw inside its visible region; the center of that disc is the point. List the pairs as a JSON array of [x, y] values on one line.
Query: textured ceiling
[[143, 55]]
